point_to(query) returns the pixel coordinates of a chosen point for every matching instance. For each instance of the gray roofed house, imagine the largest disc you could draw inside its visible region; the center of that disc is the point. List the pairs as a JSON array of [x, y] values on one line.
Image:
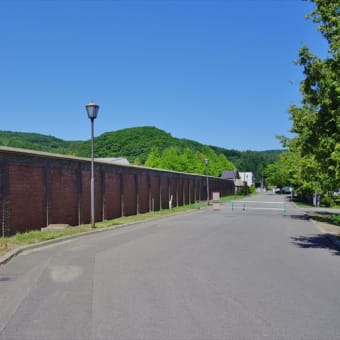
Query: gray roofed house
[[230, 174]]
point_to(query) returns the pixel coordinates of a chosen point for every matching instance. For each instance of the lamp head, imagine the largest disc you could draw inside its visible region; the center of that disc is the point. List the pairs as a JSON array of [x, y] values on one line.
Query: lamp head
[[92, 110]]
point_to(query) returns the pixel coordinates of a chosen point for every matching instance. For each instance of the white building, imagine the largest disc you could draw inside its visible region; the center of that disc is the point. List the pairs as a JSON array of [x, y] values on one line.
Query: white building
[[247, 177]]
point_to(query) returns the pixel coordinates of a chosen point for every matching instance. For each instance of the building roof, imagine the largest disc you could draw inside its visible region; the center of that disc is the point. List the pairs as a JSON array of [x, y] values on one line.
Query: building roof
[[230, 174]]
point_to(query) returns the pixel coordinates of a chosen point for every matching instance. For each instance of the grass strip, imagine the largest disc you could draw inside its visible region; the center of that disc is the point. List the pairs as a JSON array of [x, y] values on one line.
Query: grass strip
[[21, 239]]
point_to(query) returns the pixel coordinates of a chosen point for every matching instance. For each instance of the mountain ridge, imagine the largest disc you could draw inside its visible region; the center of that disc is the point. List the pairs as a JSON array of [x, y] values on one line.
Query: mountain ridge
[[135, 144]]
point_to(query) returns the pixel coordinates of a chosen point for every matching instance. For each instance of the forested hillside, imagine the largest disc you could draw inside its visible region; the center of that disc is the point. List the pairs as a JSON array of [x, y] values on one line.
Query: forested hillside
[[140, 143], [39, 142]]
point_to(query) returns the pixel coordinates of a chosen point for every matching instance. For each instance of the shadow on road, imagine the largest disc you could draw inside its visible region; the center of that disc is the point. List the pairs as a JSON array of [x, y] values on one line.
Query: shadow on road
[[300, 217], [4, 278], [319, 241]]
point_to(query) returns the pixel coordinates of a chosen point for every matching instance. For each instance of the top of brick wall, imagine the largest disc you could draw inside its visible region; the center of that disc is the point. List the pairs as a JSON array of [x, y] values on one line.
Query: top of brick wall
[[6, 149], [39, 153]]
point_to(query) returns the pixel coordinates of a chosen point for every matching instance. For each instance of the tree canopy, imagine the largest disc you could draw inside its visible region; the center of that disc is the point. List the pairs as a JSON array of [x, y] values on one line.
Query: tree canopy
[[312, 162], [189, 161]]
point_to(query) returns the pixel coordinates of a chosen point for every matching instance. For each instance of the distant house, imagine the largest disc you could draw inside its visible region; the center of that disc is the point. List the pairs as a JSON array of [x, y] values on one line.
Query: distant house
[[230, 174], [234, 176], [247, 177], [239, 178]]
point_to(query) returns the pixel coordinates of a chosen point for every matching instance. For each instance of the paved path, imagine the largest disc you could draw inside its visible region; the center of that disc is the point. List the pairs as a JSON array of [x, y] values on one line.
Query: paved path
[[201, 275]]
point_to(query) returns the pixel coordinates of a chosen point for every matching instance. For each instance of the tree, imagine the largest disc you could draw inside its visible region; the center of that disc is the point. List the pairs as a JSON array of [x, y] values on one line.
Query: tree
[[317, 121], [173, 158], [154, 158]]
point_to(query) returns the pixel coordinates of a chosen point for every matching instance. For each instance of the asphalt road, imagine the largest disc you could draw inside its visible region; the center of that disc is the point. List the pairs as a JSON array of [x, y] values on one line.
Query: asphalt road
[[253, 274]]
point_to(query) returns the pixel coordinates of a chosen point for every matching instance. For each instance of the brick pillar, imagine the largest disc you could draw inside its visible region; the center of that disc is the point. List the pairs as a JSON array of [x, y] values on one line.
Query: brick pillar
[[4, 180], [103, 192], [137, 193], [47, 175], [121, 183]]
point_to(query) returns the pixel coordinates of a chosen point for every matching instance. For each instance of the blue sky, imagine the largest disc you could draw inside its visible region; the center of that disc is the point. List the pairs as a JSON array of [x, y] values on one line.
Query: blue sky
[[220, 72]]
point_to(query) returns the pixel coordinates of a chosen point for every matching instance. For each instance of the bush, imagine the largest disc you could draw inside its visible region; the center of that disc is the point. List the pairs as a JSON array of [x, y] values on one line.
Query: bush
[[336, 219], [252, 189], [327, 201], [243, 191]]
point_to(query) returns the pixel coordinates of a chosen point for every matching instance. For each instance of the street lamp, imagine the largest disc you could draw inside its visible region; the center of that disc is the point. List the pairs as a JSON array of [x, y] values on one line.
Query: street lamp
[[206, 161], [92, 111]]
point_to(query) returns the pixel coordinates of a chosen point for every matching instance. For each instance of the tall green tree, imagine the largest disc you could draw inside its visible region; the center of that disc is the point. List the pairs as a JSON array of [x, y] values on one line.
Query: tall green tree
[[189, 161], [154, 158], [316, 122]]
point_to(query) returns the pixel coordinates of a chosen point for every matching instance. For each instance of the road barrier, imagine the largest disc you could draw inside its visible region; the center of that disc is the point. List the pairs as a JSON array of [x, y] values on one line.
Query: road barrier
[[258, 205]]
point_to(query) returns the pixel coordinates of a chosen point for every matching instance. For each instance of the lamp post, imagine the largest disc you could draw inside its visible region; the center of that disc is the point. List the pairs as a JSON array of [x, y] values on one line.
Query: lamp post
[[245, 180], [92, 111], [206, 161]]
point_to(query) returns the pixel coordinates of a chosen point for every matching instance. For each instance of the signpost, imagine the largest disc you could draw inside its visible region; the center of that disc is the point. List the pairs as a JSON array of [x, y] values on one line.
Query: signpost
[[216, 201]]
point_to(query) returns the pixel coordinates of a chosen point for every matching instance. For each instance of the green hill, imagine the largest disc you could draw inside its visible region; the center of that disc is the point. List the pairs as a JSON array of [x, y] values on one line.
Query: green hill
[[135, 144], [39, 142]]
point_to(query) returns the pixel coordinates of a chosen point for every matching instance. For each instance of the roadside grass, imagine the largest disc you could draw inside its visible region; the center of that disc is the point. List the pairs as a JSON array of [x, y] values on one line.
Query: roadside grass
[[323, 217], [21, 239], [306, 205], [302, 204], [326, 217]]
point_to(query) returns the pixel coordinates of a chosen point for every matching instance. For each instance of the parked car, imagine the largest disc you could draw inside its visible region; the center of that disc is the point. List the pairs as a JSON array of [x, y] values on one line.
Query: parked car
[[284, 190]]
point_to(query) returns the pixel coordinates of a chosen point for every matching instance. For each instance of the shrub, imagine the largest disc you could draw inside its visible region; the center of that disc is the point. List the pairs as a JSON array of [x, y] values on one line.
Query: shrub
[[327, 201], [336, 219]]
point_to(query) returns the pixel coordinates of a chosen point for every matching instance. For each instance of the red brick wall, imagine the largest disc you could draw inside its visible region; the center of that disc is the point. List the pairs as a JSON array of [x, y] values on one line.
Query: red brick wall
[[85, 202], [173, 190], [1, 201], [27, 197], [98, 195], [185, 191], [112, 205], [38, 189], [143, 193], [180, 191], [64, 198], [154, 192], [129, 196], [164, 192]]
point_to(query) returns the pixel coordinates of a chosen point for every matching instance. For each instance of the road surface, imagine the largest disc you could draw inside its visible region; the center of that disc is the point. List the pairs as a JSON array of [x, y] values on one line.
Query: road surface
[[206, 274]]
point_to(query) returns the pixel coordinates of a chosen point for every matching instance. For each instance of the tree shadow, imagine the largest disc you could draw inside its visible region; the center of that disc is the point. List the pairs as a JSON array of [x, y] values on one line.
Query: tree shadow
[[304, 217], [319, 241], [4, 278]]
